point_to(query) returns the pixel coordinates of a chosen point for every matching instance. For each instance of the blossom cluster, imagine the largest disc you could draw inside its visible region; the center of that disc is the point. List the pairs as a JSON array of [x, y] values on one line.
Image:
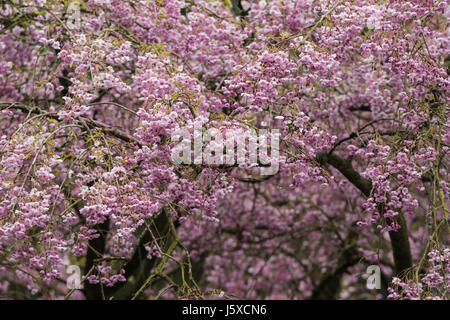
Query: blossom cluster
[[358, 91]]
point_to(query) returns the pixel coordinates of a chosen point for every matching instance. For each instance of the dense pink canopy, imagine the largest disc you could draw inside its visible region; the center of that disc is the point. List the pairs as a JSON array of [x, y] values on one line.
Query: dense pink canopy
[[91, 93]]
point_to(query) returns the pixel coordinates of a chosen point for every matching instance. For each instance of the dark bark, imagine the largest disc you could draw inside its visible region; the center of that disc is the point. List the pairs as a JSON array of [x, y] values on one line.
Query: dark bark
[[330, 285], [399, 239], [400, 246], [139, 266]]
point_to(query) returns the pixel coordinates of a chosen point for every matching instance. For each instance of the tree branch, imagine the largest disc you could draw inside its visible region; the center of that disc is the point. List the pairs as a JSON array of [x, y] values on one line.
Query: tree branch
[[399, 239]]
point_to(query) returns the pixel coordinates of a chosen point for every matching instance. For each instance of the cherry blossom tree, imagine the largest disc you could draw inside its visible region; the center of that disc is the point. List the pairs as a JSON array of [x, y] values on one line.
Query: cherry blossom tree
[[92, 91]]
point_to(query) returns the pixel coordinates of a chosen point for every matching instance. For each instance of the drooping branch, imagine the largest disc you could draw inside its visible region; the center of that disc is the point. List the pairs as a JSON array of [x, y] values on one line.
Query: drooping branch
[[93, 124], [139, 266], [399, 239], [345, 167], [96, 249], [330, 285]]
